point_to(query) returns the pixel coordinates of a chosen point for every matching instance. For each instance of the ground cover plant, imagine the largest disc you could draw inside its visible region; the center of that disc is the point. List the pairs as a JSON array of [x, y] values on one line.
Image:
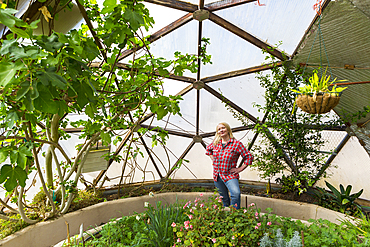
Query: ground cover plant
[[204, 222]]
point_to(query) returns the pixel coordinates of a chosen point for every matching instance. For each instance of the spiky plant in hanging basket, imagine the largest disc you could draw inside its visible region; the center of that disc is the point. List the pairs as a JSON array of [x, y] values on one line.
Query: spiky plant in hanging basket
[[319, 96]]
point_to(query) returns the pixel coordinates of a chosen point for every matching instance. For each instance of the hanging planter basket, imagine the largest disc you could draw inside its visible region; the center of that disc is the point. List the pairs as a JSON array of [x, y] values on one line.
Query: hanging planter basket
[[323, 103]]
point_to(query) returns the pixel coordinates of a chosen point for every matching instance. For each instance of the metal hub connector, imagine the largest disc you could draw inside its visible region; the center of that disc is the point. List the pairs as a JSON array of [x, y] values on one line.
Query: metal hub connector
[[201, 14]]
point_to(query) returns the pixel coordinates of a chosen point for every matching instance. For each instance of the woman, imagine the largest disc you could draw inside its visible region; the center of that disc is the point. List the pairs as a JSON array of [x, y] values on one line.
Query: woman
[[224, 152]]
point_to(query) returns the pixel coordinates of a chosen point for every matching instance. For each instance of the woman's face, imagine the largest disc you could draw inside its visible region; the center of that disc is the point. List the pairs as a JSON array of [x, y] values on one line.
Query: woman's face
[[222, 131]]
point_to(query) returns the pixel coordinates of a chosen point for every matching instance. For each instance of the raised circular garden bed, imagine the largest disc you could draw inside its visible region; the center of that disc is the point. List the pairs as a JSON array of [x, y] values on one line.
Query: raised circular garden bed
[[51, 232]]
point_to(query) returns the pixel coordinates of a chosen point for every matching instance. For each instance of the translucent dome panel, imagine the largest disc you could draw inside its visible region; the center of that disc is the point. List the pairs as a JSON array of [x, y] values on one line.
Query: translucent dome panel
[[212, 112], [350, 167], [162, 16], [184, 123], [198, 167], [229, 52], [277, 21], [332, 140], [173, 87], [244, 91], [183, 39], [141, 168]]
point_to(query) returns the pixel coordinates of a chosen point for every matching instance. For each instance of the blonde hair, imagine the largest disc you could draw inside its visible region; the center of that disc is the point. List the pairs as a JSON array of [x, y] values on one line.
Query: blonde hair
[[218, 137]]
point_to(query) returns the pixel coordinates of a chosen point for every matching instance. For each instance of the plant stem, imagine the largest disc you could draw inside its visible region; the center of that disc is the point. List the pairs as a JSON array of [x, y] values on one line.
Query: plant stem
[[124, 166], [40, 173], [21, 209], [8, 207]]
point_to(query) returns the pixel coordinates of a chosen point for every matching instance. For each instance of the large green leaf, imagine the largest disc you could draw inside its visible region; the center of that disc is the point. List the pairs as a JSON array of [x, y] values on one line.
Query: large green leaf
[[3, 155], [28, 102], [23, 153], [85, 93], [348, 190], [25, 150], [356, 195], [53, 78], [134, 18], [335, 191], [90, 110], [12, 176], [21, 160], [20, 32], [34, 93], [91, 51], [45, 102], [11, 118], [105, 137], [7, 18], [8, 71], [161, 112], [62, 107], [13, 156], [108, 6], [25, 86], [50, 43], [7, 46]]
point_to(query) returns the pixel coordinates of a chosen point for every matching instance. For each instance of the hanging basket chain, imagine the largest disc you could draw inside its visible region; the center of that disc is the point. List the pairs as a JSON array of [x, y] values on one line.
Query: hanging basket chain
[[316, 97], [318, 8]]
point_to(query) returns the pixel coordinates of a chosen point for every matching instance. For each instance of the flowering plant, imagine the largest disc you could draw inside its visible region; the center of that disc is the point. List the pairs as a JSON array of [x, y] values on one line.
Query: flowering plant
[[320, 85], [210, 224]]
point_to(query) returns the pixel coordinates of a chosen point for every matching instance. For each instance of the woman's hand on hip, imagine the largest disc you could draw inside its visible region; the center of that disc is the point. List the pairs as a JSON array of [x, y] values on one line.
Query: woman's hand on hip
[[234, 170]]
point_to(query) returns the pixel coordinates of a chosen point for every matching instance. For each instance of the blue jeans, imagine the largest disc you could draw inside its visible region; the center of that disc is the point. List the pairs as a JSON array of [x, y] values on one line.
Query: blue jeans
[[224, 188]]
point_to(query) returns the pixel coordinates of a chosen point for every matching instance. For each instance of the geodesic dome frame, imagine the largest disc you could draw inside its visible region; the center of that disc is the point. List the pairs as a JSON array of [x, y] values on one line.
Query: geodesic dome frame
[[200, 15]]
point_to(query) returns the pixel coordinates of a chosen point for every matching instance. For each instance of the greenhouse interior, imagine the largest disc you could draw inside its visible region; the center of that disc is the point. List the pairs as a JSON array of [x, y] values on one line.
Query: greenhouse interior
[[110, 112]]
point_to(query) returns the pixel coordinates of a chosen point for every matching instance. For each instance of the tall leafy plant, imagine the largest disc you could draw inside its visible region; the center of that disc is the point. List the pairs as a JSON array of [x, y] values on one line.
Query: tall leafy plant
[[290, 141], [44, 79], [296, 150]]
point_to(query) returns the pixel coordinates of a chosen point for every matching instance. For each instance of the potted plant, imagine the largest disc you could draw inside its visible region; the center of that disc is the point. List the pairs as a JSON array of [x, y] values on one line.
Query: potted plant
[[320, 95]]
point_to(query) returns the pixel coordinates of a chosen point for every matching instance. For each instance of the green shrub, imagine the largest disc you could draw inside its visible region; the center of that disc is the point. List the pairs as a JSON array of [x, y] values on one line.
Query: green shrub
[[9, 227]]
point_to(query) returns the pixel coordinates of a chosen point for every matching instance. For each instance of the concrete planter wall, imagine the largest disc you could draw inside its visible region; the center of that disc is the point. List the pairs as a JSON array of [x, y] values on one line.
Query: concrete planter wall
[[49, 233]]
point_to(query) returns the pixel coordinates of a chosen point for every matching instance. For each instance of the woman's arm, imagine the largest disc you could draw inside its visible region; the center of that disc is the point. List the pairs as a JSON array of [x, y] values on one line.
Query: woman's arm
[[209, 151], [239, 169], [247, 159], [211, 156]]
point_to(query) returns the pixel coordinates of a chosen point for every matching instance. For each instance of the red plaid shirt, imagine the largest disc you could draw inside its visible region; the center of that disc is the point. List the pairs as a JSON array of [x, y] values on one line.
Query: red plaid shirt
[[225, 158]]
